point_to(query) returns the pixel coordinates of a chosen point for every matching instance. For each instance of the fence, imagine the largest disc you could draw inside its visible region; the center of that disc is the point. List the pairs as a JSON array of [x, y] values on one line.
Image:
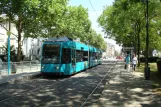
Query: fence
[[18, 67]]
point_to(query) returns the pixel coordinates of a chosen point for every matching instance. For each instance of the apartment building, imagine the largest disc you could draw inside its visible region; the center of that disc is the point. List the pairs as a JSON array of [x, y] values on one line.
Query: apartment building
[[110, 51], [4, 36]]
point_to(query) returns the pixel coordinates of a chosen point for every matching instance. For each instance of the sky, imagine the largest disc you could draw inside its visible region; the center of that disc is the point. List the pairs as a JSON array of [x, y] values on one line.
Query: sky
[[95, 8]]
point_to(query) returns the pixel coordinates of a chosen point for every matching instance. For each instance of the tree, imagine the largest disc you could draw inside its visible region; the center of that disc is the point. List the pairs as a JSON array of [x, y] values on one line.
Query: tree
[[75, 23], [31, 17], [126, 17], [46, 18]]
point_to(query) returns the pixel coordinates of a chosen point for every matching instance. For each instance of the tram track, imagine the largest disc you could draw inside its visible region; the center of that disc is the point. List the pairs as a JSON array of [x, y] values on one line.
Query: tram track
[[10, 86], [29, 84], [107, 74], [72, 86], [38, 87], [29, 91], [58, 83]]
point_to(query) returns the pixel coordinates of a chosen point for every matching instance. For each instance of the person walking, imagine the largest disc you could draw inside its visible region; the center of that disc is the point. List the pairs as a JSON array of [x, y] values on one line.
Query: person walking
[[127, 61], [134, 62]]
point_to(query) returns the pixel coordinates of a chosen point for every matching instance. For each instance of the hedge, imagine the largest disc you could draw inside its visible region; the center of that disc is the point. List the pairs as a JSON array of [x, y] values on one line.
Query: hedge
[[150, 59]]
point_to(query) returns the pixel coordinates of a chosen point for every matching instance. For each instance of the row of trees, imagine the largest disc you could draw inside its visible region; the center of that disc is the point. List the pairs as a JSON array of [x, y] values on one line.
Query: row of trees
[[49, 18], [125, 21]]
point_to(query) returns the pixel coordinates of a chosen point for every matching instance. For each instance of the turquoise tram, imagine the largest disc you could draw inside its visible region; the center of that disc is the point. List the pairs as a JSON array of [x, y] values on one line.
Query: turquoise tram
[[63, 56]]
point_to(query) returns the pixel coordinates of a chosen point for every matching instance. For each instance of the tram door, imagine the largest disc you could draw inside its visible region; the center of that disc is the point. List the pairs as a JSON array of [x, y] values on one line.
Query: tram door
[[73, 59], [89, 57]]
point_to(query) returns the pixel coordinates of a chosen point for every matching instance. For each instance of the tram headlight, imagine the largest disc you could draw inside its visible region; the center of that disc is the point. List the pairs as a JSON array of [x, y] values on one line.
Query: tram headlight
[[42, 67], [57, 67]]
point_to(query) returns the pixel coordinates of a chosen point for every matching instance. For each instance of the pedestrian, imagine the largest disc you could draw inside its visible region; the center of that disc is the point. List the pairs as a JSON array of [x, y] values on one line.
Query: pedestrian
[[127, 61], [134, 62]]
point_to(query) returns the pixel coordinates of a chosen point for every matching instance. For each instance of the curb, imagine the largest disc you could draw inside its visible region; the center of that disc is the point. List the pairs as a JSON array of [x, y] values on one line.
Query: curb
[[28, 77], [21, 78]]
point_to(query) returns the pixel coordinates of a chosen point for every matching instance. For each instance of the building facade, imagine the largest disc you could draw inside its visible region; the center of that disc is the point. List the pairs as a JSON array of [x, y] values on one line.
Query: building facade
[[110, 51], [31, 48]]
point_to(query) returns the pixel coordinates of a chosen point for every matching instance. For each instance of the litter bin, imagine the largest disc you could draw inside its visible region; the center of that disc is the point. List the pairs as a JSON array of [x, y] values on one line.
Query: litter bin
[[14, 68], [147, 73]]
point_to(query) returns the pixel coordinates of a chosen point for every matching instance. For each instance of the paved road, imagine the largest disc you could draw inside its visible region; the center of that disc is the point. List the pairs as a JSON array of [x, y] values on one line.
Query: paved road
[[74, 91]]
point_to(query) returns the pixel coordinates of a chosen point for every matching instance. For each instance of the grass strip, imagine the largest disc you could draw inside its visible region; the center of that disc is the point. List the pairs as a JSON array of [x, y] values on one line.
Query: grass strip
[[154, 76]]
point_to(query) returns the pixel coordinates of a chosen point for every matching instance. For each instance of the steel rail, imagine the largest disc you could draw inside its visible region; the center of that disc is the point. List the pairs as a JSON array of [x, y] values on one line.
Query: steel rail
[[97, 86], [32, 91]]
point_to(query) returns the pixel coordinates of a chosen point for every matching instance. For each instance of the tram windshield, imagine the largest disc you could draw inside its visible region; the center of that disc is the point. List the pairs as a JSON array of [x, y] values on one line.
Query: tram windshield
[[51, 53]]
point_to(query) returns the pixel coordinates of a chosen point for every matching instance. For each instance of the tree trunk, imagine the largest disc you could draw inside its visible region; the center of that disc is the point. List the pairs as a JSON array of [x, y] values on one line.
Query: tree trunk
[[135, 40], [138, 38], [19, 26]]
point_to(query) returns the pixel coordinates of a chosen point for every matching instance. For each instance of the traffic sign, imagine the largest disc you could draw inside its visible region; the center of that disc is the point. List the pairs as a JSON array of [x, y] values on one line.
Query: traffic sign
[[8, 33]]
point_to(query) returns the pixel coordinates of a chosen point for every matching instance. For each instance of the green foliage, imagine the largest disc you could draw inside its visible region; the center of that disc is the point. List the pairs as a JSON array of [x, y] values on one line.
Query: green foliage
[[44, 18], [126, 17], [158, 60], [49, 18], [12, 50]]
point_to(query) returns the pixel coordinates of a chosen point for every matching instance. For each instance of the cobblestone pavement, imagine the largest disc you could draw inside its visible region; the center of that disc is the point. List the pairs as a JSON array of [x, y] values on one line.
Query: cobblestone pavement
[[128, 89]]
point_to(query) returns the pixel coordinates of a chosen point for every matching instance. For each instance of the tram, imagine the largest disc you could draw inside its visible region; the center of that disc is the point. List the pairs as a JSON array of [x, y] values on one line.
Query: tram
[[63, 56]]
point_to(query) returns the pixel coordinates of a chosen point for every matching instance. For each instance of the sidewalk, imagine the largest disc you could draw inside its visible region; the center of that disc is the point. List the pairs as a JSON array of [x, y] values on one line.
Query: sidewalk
[[128, 89]]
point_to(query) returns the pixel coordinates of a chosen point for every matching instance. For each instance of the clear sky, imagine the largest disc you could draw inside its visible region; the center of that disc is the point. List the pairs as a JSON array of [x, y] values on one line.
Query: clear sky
[[95, 8]]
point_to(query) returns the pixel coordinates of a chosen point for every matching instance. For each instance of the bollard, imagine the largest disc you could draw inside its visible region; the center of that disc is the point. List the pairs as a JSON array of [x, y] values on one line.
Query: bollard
[[14, 68], [30, 66], [1, 62], [22, 65]]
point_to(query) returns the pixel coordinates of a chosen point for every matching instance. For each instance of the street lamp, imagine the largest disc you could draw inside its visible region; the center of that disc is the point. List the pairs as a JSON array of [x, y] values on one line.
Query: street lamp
[[147, 68], [8, 53], [32, 45], [8, 41]]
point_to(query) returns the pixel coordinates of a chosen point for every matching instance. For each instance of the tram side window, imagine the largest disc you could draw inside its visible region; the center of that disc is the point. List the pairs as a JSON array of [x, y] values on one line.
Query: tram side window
[[85, 56], [66, 55], [94, 55], [90, 55], [79, 56], [100, 55]]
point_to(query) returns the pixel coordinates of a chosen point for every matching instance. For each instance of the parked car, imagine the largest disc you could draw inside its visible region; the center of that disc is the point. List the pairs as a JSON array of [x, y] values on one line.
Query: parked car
[[119, 57]]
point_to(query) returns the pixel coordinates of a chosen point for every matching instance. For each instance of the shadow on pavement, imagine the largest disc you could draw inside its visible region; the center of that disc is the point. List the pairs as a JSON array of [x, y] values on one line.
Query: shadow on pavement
[[128, 89]]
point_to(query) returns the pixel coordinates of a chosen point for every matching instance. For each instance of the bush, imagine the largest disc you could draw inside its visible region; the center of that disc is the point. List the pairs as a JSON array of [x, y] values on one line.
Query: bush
[[159, 65], [150, 59], [3, 58], [142, 59], [13, 58]]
